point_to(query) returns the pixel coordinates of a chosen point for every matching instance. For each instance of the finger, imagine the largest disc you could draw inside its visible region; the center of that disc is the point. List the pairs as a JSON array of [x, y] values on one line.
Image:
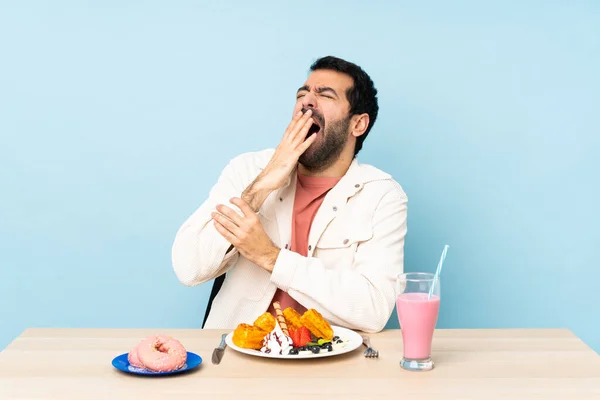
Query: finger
[[227, 223], [301, 134], [230, 213], [293, 122], [300, 123], [306, 144], [225, 233], [246, 209]]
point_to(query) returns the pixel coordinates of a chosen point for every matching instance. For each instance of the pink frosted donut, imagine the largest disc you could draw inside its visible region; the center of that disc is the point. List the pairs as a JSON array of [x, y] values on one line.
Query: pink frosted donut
[[134, 359], [161, 353]]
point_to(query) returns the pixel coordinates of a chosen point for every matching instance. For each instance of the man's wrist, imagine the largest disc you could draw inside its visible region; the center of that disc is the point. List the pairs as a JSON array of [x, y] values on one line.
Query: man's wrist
[[255, 195], [270, 258]]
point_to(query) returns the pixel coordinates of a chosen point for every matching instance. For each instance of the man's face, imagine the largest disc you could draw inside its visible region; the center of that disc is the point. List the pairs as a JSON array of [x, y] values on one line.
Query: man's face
[[325, 93]]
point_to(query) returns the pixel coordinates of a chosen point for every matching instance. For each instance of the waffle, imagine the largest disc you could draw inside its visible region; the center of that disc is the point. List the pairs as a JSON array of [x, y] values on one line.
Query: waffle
[[249, 336], [316, 324], [266, 322], [292, 318]]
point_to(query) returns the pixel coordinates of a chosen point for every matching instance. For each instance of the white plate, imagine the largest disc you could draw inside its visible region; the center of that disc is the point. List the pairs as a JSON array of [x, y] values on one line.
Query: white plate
[[353, 341]]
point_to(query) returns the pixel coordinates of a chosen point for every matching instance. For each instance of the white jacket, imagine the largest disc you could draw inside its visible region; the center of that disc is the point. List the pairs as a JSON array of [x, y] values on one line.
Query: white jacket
[[356, 249]]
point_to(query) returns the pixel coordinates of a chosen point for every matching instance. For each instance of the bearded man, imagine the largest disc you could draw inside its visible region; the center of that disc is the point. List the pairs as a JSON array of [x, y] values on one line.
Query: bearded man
[[304, 224]]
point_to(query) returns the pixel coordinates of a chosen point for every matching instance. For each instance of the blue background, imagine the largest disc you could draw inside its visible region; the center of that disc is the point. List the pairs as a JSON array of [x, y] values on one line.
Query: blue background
[[116, 119]]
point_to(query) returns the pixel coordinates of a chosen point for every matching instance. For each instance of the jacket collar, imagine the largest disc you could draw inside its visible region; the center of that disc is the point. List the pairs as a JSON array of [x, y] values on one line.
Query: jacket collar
[[351, 183]]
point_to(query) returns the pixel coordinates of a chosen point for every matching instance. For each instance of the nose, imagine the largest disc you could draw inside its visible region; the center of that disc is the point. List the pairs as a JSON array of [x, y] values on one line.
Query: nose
[[309, 101]]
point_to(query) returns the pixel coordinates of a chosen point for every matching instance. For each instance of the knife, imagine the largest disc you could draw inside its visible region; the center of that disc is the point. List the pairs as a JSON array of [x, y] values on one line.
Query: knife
[[219, 351]]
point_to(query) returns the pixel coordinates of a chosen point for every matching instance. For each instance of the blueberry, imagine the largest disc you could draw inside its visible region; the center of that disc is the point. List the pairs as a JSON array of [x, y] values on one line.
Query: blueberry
[[336, 338], [330, 348], [339, 341], [293, 351], [303, 348], [316, 350]]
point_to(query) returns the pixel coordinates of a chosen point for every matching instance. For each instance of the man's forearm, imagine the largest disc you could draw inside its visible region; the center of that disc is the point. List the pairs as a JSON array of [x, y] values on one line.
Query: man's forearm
[[245, 232], [256, 194]]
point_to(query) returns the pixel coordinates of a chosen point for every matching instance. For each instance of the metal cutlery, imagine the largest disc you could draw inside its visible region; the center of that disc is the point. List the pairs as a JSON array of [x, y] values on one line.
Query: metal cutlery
[[218, 352], [370, 352]]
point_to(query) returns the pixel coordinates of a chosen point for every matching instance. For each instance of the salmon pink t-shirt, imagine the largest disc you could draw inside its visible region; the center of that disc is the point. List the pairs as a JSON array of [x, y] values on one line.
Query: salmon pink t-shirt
[[310, 193]]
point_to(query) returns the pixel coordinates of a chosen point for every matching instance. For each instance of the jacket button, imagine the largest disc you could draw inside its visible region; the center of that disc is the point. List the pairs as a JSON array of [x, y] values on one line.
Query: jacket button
[[309, 247], [286, 246], [334, 208], [281, 199], [357, 186], [346, 241]]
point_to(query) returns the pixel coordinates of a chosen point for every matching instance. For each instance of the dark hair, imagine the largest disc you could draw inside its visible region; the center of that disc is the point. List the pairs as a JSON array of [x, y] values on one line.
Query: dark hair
[[362, 95]]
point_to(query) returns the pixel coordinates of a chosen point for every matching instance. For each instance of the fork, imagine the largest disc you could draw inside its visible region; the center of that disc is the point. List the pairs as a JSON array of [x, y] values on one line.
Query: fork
[[369, 352]]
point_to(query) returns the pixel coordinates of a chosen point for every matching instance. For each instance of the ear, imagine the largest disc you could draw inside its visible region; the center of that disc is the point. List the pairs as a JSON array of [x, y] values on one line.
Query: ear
[[359, 124]]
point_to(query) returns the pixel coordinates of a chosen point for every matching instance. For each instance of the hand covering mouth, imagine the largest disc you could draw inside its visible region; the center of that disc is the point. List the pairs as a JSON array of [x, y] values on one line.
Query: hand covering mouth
[[317, 125]]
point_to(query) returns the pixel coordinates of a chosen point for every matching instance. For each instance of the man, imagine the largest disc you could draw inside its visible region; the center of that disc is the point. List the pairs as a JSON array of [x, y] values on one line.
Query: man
[[305, 223]]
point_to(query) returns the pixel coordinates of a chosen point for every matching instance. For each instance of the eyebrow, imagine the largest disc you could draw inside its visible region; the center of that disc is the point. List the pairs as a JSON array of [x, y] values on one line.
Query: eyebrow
[[320, 89]]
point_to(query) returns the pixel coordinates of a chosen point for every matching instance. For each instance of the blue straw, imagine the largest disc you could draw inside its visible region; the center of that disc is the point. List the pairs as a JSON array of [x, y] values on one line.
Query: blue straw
[[438, 271]]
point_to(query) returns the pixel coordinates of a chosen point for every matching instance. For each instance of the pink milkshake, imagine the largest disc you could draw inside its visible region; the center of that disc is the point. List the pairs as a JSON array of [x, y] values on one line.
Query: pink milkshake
[[417, 316]]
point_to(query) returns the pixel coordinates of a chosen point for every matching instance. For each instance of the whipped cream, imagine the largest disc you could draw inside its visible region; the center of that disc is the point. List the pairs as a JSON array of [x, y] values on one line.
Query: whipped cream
[[276, 342]]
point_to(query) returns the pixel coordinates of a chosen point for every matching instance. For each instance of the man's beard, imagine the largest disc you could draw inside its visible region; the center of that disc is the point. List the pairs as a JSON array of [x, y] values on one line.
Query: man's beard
[[326, 150]]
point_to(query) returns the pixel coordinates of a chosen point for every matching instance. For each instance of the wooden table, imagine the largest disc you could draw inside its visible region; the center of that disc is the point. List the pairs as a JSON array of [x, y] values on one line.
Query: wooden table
[[470, 364]]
